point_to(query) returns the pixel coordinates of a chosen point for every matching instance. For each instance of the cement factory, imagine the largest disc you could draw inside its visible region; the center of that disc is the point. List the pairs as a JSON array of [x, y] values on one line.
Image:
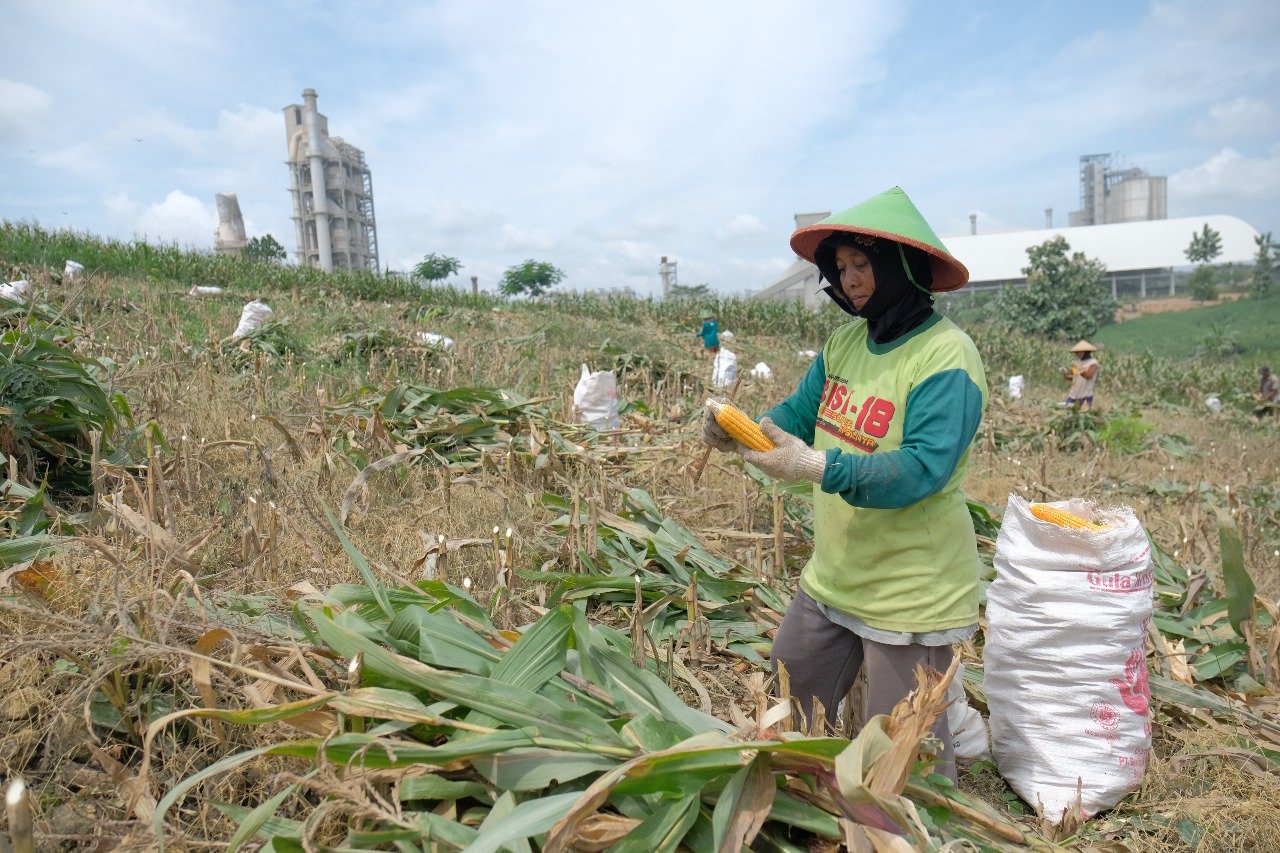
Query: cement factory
[[1122, 221]]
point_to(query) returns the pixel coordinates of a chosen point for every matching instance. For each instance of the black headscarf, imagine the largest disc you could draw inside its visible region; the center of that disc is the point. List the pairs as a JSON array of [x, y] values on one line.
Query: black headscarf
[[897, 306]]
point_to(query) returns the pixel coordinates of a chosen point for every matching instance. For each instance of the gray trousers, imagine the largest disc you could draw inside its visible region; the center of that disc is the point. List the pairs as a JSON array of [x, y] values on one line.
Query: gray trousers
[[823, 660]]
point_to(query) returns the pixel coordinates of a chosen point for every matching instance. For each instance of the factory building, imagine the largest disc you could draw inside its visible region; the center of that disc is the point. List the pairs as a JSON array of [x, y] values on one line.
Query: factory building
[[1122, 222], [332, 191], [1111, 192], [1140, 257]]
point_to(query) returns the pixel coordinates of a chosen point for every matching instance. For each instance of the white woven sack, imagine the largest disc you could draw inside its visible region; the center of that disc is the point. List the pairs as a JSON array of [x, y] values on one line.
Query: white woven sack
[[435, 339], [18, 291], [71, 270], [595, 399], [969, 736], [762, 371], [1065, 670], [724, 370], [253, 315]]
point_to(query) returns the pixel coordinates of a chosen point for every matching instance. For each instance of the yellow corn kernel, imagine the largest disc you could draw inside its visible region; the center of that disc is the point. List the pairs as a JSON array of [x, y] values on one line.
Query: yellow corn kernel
[[735, 422], [1062, 518]]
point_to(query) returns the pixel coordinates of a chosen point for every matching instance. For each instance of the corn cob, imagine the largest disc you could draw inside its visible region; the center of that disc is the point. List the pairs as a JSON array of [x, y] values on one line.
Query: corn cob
[[735, 422], [1062, 518]]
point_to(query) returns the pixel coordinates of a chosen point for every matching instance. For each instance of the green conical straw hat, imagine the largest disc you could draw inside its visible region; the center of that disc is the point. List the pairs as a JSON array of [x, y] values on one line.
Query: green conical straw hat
[[892, 216]]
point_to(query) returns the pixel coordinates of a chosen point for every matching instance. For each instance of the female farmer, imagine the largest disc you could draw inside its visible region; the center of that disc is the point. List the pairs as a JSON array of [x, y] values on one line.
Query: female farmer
[[710, 333], [882, 424], [1083, 375]]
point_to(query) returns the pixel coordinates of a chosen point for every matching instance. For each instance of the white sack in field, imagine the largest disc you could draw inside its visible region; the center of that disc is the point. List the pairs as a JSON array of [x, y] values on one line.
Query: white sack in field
[[1015, 386], [1065, 668], [968, 730], [724, 370], [204, 290], [434, 339], [72, 271], [595, 399], [728, 336], [762, 371], [253, 315], [808, 353], [18, 290]]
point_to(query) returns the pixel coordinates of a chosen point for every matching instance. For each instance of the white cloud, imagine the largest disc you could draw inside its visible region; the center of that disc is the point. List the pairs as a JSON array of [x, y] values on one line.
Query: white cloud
[[742, 226], [1229, 175], [180, 219], [24, 112], [1240, 118], [526, 239]]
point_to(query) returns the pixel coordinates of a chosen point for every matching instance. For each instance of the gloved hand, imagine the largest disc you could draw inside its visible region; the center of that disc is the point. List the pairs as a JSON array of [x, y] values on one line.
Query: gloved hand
[[790, 459], [714, 434]]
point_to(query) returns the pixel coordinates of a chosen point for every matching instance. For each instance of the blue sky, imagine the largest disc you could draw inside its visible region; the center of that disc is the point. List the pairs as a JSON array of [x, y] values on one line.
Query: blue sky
[[600, 136]]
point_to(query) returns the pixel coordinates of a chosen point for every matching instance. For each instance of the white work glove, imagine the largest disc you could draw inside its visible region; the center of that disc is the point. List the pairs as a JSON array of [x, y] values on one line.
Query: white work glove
[[790, 459], [714, 434]]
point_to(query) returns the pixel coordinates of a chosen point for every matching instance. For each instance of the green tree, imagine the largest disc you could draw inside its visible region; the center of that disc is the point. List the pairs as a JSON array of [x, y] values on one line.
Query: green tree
[[532, 278], [1203, 284], [1205, 246], [265, 249], [690, 291], [435, 267], [1065, 296], [1263, 278]]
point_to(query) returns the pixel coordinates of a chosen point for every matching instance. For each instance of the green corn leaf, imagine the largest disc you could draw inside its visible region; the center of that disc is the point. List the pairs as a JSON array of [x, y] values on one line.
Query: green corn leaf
[[526, 820], [743, 806], [1235, 576], [664, 829], [1213, 661], [434, 787], [361, 564], [508, 703], [535, 769], [262, 820], [436, 638]]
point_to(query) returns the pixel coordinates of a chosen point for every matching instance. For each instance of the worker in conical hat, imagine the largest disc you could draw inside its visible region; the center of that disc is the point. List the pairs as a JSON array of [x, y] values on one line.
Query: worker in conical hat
[[1082, 375], [710, 332], [882, 424]]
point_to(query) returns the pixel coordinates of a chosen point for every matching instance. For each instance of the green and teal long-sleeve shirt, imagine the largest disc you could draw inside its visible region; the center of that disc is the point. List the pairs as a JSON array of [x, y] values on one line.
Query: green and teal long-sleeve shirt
[[710, 333], [893, 542]]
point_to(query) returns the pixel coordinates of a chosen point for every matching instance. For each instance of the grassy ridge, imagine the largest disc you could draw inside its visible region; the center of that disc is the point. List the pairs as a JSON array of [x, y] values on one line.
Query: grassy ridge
[[1255, 325]]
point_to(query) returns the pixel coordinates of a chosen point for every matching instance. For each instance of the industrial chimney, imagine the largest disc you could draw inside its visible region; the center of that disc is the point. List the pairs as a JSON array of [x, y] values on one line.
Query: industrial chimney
[[1048, 217], [973, 223]]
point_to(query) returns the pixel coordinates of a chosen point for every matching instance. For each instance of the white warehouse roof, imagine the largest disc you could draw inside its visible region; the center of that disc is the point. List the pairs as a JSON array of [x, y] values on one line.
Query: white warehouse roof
[[1124, 246]]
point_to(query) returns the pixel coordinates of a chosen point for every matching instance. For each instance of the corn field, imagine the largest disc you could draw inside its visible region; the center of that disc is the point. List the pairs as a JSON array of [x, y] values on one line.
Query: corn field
[[326, 587]]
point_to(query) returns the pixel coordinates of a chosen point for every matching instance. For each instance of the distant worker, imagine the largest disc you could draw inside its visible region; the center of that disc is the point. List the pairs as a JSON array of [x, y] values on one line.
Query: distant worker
[[1082, 375], [1268, 393], [710, 332]]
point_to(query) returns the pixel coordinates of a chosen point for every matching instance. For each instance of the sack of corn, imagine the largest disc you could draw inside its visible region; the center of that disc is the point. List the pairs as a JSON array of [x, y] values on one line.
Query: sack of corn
[[595, 398], [1065, 670], [724, 370], [17, 291], [253, 315]]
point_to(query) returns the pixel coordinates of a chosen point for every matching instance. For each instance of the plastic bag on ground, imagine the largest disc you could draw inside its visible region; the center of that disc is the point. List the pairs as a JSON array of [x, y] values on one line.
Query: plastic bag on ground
[[434, 339], [724, 370], [18, 290], [253, 315], [204, 290], [762, 371], [595, 399], [969, 734], [1065, 670], [1015, 386], [72, 270]]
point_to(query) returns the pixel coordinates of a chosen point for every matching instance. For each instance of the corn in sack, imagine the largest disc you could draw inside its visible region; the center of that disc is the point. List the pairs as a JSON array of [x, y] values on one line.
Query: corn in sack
[[1065, 670]]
